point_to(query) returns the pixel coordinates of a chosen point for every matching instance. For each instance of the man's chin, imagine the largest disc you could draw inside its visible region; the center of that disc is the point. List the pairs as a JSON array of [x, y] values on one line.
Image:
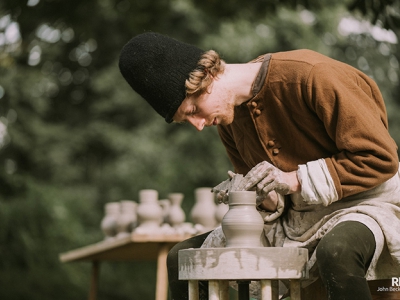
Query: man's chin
[[226, 122]]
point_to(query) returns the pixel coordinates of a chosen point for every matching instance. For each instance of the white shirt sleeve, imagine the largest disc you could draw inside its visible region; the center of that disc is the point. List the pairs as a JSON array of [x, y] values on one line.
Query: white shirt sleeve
[[317, 186]]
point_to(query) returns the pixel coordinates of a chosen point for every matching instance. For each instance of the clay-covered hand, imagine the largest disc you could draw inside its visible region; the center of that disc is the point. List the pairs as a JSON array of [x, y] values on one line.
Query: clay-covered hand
[[222, 197], [267, 202], [221, 191], [266, 178]]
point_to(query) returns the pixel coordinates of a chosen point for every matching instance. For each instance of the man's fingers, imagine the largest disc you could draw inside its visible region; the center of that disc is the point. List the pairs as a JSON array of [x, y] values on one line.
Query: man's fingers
[[268, 188], [265, 181], [231, 174], [257, 177], [251, 179], [222, 197], [259, 169]]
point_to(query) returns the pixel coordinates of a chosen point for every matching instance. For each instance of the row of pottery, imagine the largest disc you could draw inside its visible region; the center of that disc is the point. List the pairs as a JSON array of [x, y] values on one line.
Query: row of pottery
[[165, 216], [242, 225]]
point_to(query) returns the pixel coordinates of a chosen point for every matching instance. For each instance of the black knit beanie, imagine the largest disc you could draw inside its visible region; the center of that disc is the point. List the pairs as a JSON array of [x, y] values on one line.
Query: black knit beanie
[[156, 67]]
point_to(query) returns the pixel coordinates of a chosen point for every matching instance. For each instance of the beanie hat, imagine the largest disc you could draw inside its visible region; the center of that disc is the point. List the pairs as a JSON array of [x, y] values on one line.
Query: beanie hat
[[156, 67]]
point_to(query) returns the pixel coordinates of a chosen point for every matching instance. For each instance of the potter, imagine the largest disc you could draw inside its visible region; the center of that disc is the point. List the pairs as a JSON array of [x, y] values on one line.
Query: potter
[[294, 123]]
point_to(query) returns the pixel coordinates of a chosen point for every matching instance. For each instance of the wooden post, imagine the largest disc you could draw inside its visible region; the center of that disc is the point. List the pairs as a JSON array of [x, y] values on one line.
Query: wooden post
[[295, 289], [224, 289], [162, 273], [193, 290], [269, 289], [213, 290], [94, 280], [275, 289], [266, 289]]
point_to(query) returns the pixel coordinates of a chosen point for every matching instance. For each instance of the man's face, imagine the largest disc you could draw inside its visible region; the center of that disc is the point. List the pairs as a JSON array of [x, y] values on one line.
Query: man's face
[[211, 108]]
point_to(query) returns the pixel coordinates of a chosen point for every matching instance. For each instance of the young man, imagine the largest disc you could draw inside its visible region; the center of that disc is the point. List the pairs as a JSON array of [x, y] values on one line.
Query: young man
[[297, 124]]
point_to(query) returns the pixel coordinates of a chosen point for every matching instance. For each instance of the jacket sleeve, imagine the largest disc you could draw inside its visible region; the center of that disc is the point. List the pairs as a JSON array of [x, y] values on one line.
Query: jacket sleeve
[[352, 110]]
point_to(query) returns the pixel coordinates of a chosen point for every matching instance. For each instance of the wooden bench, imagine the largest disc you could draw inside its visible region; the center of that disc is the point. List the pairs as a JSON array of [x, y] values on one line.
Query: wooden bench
[[218, 266]]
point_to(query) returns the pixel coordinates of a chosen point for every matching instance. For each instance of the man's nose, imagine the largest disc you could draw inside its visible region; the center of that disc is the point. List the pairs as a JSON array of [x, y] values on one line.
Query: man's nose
[[198, 123]]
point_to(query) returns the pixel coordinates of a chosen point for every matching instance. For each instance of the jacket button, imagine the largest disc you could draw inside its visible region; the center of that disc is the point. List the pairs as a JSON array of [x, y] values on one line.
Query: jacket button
[[271, 143], [254, 104], [257, 112], [275, 151]]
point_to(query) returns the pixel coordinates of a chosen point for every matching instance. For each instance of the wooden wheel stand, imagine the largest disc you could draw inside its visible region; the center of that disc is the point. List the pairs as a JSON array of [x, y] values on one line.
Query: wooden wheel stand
[[218, 266]]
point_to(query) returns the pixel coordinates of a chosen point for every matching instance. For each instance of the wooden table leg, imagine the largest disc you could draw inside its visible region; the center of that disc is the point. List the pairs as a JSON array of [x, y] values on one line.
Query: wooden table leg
[[266, 289], [224, 289], [295, 290], [162, 274], [94, 280], [213, 290], [193, 290], [275, 289], [269, 289]]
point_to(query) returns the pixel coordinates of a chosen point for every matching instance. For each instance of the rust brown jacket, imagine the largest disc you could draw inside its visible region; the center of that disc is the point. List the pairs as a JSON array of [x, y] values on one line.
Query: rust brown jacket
[[307, 106]]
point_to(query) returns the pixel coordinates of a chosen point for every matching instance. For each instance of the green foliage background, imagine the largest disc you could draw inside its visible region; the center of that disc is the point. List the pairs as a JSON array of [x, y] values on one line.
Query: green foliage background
[[74, 136]]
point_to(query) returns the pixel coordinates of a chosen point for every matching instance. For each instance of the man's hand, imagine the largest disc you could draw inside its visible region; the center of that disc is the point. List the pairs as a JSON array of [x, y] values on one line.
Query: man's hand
[[268, 202], [265, 178], [221, 191]]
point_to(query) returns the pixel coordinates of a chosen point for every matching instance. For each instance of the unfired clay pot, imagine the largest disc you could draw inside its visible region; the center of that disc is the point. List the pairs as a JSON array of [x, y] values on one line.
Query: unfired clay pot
[[242, 224], [149, 211], [127, 219], [203, 211], [109, 222], [176, 215]]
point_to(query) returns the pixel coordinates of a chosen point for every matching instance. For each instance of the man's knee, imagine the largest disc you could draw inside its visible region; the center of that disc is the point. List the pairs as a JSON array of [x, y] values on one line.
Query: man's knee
[[350, 245], [330, 249]]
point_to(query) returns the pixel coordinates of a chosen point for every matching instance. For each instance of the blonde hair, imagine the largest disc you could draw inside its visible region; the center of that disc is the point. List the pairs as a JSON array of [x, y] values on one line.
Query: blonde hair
[[209, 66]]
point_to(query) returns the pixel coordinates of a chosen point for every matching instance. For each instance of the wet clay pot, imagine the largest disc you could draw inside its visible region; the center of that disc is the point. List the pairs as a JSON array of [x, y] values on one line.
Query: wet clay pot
[[242, 224]]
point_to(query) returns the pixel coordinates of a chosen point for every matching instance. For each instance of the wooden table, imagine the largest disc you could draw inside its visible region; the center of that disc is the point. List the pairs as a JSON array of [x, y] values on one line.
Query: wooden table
[[134, 247]]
